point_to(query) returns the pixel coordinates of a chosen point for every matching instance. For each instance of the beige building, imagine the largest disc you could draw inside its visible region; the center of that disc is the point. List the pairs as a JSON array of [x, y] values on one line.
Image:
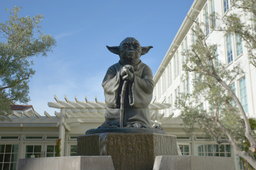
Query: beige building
[[27, 134]]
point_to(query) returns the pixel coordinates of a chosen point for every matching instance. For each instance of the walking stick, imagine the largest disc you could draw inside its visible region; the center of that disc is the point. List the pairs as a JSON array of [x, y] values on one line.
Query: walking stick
[[122, 100]]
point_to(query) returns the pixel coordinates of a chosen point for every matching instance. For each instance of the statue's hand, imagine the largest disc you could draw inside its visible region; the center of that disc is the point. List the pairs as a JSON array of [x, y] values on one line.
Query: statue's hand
[[127, 72]]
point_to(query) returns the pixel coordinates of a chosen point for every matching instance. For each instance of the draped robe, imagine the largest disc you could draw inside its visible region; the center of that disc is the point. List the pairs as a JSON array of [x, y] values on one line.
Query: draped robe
[[137, 98]]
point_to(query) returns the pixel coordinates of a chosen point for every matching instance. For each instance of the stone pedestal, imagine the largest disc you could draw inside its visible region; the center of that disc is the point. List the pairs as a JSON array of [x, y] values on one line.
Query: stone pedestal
[[193, 163], [67, 163], [128, 150]]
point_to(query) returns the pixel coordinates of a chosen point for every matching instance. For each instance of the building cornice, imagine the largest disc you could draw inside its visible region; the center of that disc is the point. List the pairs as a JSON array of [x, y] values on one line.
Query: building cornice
[[186, 24]]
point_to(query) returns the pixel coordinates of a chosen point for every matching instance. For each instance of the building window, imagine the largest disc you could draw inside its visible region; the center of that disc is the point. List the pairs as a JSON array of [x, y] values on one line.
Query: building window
[[226, 5], [186, 44], [183, 50], [169, 74], [254, 22], [187, 83], [171, 101], [239, 46], [177, 94], [8, 156], [52, 137], [233, 88], [9, 137], [164, 80], [184, 86], [162, 83], [243, 94], [206, 20], [50, 151], [229, 48], [203, 138], [182, 56], [193, 35], [33, 151], [159, 87], [212, 15], [157, 93], [216, 56], [175, 65], [169, 109], [184, 149], [223, 150], [34, 137], [73, 150]]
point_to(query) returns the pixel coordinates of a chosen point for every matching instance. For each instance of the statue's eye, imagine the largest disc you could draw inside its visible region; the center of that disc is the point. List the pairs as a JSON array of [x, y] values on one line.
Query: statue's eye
[[135, 45], [125, 45]]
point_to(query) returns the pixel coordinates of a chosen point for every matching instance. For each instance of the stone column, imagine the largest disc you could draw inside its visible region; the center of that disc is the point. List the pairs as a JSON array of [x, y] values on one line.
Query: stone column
[[22, 148], [62, 132], [193, 145]]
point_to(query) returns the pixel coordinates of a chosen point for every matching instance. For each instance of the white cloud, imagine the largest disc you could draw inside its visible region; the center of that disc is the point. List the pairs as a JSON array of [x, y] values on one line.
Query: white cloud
[[90, 88], [66, 34]]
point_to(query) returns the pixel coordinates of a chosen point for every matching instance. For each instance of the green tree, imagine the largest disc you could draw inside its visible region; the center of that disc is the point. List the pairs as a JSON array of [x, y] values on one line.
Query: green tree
[[212, 104], [20, 39], [246, 146]]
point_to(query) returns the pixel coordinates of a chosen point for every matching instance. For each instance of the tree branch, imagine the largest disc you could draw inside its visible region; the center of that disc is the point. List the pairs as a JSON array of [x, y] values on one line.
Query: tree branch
[[13, 84], [238, 151], [248, 130]]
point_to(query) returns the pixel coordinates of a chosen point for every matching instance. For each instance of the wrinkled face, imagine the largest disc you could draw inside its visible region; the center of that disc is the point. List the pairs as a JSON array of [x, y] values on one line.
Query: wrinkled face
[[130, 50]]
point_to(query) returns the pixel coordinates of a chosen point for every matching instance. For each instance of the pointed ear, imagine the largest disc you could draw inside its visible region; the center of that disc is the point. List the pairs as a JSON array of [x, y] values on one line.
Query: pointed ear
[[114, 49], [144, 50]]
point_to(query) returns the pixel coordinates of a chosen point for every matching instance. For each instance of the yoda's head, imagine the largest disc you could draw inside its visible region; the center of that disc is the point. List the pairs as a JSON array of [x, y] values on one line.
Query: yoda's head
[[129, 50]]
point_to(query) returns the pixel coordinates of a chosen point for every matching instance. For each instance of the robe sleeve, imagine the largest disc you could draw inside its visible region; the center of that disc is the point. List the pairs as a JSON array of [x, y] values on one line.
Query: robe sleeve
[[142, 88], [110, 84]]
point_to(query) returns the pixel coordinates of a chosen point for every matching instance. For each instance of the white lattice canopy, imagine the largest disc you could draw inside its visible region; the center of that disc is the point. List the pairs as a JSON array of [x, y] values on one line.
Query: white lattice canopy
[[95, 110]]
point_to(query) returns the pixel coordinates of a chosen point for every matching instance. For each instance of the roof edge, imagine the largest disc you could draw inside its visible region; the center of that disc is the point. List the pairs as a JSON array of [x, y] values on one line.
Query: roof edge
[[185, 27]]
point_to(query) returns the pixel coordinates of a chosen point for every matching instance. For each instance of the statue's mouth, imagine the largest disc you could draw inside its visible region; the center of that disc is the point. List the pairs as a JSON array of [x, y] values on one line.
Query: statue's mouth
[[131, 51]]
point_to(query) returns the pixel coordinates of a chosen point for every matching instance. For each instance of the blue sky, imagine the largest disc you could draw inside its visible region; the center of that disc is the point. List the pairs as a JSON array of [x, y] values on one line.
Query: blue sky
[[82, 29]]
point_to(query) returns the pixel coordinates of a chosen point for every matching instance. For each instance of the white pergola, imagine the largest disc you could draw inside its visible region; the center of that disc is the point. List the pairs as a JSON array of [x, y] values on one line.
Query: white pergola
[[84, 111]]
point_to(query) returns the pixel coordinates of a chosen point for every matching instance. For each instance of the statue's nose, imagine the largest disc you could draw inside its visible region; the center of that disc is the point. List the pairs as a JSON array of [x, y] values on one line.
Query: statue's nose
[[131, 47]]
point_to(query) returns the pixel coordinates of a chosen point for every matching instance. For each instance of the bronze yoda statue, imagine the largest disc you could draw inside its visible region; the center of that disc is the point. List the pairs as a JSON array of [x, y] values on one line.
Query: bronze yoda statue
[[128, 87]]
